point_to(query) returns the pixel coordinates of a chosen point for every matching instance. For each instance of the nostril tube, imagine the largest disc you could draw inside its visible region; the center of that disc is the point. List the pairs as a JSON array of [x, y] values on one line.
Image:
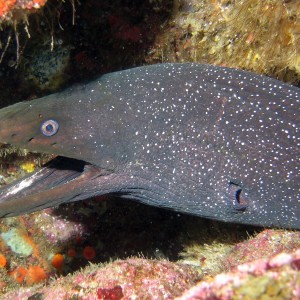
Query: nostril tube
[[30, 139]]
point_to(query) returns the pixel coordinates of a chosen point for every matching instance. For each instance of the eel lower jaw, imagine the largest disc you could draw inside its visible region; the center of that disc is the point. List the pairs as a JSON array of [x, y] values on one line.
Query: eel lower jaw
[[60, 180]]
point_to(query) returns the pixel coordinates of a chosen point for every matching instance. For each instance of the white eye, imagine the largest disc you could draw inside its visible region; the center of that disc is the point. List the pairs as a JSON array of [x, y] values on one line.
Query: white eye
[[49, 127]]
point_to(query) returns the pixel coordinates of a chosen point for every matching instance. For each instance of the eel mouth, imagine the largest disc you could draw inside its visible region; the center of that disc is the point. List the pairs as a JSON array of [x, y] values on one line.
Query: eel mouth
[[60, 180]]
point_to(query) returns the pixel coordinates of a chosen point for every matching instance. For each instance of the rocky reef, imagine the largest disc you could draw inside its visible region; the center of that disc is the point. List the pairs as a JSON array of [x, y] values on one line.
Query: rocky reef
[[277, 277], [262, 36], [134, 278], [49, 248]]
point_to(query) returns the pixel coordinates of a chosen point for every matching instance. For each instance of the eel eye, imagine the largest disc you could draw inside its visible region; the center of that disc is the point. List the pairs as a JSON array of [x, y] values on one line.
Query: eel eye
[[49, 127]]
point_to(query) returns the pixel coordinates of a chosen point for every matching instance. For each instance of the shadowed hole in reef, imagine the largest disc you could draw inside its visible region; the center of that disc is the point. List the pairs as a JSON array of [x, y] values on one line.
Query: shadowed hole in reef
[[128, 228], [106, 36]]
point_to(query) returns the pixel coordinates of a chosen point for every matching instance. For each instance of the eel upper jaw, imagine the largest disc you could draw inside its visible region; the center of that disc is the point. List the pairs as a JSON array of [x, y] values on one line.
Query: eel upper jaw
[[59, 181]]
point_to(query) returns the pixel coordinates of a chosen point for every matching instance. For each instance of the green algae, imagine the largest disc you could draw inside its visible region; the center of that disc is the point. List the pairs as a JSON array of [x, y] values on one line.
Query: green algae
[[17, 244]]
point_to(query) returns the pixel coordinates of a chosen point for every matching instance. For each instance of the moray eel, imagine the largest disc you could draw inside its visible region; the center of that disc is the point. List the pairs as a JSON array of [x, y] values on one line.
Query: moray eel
[[210, 141]]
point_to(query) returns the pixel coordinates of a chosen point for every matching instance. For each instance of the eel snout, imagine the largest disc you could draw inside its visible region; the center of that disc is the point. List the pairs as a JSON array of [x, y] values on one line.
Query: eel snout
[[61, 180]]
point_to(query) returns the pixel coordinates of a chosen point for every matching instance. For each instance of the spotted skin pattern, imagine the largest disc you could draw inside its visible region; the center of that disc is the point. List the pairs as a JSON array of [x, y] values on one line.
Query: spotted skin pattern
[[200, 139]]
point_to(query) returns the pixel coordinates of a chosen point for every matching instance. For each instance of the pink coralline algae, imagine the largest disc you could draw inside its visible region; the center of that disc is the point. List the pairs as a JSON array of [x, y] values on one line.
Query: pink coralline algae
[[265, 244], [277, 277], [55, 228], [133, 278]]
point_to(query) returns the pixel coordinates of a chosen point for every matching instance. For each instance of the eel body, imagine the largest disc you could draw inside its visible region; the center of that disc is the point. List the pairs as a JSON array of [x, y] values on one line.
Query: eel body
[[211, 141]]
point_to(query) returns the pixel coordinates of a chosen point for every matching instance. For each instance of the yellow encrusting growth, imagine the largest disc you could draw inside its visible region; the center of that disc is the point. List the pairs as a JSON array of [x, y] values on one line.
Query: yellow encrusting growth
[[28, 167]]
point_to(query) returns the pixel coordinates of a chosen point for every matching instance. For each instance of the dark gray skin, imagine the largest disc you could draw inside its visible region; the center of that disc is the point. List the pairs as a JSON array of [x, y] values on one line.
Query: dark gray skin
[[210, 141]]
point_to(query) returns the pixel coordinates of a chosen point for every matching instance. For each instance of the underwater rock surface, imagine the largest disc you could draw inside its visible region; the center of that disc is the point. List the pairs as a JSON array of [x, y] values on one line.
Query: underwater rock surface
[[65, 242], [134, 278], [277, 277]]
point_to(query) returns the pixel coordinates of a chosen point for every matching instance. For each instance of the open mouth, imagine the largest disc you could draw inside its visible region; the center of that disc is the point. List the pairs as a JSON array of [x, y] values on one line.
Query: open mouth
[[60, 180]]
